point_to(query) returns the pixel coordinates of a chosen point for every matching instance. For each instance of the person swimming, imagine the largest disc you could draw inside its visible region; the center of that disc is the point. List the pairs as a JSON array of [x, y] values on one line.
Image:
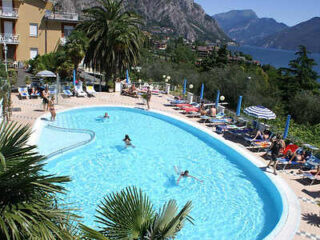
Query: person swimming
[[184, 174], [127, 141], [106, 115]]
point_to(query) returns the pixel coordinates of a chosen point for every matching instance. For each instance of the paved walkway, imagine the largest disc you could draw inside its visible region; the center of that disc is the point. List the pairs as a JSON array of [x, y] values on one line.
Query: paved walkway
[[308, 195]]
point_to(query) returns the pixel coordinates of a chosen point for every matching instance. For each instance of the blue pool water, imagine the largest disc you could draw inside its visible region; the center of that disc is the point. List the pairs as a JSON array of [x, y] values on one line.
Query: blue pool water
[[235, 201]]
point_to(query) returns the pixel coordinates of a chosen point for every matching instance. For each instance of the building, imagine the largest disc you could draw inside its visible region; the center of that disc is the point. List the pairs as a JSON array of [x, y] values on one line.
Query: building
[[32, 27]]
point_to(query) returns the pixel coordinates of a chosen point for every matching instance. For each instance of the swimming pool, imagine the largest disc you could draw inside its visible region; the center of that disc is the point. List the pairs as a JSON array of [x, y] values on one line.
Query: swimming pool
[[236, 200]]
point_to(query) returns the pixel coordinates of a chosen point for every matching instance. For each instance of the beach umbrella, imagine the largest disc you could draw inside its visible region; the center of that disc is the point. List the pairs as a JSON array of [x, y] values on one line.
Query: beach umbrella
[[286, 130], [74, 77], [128, 77], [217, 99], [184, 86], [239, 106], [260, 112], [45, 73], [202, 91]]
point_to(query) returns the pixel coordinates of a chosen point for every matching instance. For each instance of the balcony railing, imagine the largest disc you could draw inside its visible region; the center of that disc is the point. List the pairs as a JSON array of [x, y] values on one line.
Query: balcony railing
[[8, 12], [9, 38], [62, 16]]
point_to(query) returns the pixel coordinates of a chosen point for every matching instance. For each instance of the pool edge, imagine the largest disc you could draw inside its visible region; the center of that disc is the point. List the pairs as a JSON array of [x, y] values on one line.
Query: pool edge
[[290, 219]]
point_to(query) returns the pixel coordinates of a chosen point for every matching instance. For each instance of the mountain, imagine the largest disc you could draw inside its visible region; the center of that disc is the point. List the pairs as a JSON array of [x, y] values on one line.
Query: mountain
[[245, 27], [305, 33], [171, 17]]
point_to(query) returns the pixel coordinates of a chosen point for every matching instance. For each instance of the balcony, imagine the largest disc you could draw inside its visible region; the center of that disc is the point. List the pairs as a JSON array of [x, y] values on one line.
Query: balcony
[[9, 13], [62, 16], [9, 38]]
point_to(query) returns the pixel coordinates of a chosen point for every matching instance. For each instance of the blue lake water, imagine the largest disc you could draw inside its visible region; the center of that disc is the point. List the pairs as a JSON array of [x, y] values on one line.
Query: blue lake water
[[276, 57], [235, 201]]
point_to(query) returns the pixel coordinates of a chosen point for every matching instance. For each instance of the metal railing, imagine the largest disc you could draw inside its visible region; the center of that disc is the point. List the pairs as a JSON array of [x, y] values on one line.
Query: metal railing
[[62, 16], [9, 38], [92, 135], [6, 12]]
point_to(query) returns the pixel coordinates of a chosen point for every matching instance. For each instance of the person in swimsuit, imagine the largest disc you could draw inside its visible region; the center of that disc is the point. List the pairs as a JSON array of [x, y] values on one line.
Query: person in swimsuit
[[184, 174], [51, 109], [106, 115], [275, 148], [148, 97], [45, 99], [127, 141]]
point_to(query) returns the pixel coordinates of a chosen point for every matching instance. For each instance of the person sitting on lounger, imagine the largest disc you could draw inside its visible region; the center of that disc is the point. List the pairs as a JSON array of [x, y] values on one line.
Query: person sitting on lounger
[[212, 112], [184, 174], [298, 157], [127, 141], [262, 135], [202, 110]]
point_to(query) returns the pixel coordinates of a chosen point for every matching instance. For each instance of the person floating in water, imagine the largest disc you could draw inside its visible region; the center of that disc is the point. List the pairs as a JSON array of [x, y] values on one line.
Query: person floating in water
[[127, 141], [106, 115], [183, 174]]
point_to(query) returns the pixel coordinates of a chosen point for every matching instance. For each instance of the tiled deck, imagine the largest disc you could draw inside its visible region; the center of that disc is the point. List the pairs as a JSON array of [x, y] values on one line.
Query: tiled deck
[[307, 195]]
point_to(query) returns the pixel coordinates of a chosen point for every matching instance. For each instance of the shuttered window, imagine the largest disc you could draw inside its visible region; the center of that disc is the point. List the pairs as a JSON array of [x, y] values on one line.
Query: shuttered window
[[33, 30]]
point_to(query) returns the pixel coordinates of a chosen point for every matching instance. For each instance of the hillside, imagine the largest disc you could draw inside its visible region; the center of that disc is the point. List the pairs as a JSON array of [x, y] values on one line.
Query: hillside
[[170, 17], [306, 33], [245, 27]]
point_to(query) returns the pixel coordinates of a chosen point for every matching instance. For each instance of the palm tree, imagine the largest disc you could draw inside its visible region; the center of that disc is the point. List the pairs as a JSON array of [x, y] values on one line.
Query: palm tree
[[129, 215], [28, 208], [114, 37], [76, 47]]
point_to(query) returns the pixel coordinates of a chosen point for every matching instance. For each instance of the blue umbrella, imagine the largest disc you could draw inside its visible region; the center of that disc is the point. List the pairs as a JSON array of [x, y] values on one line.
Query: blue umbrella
[[217, 99], [260, 112], [184, 86], [286, 131], [239, 106], [74, 77], [202, 91], [128, 78]]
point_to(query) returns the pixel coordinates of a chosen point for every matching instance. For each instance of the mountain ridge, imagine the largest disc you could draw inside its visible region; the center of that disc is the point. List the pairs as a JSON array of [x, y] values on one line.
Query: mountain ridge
[[245, 27], [178, 17]]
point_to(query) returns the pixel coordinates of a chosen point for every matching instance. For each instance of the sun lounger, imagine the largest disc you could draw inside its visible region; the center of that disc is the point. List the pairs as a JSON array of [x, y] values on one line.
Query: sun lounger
[[52, 90], [34, 94], [310, 176], [67, 92], [23, 92], [91, 91], [79, 91]]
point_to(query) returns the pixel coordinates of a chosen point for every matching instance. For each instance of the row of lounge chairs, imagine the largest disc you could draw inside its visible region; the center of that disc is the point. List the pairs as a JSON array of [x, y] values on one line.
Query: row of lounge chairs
[[24, 92], [239, 129]]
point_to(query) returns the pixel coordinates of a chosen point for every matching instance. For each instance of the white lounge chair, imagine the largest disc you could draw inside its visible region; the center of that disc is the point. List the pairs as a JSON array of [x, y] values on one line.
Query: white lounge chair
[[23, 92], [91, 91], [52, 90], [67, 91], [79, 91]]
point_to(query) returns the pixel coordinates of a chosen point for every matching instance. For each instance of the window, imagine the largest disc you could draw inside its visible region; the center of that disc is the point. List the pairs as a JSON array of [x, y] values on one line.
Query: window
[[33, 30], [33, 52], [67, 29]]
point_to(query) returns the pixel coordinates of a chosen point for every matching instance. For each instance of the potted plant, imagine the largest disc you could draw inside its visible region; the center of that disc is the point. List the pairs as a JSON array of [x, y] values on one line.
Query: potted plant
[[110, 86]]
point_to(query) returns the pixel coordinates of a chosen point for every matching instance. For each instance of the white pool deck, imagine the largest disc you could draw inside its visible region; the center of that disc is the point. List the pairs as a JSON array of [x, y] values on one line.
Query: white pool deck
[[303, 219]]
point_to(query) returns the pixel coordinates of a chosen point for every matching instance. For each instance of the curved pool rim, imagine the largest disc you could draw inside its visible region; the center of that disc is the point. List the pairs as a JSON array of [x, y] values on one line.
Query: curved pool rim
[[289, 222]]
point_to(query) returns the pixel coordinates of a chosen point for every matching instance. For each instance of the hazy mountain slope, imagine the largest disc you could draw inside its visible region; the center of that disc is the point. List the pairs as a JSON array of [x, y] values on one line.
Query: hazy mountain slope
[[306, 33], [245, 27]]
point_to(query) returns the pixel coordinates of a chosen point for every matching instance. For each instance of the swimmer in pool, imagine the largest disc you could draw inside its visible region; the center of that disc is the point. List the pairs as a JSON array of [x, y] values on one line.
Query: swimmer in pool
[[106, 115], [183, 174], [127, 141]]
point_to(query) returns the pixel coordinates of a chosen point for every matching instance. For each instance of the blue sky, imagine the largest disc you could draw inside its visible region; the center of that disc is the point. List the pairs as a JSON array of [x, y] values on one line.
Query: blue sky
[[290, 12]]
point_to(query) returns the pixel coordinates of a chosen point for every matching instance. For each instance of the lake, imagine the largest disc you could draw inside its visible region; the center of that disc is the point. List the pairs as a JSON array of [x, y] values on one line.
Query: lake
[[275, 57]]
